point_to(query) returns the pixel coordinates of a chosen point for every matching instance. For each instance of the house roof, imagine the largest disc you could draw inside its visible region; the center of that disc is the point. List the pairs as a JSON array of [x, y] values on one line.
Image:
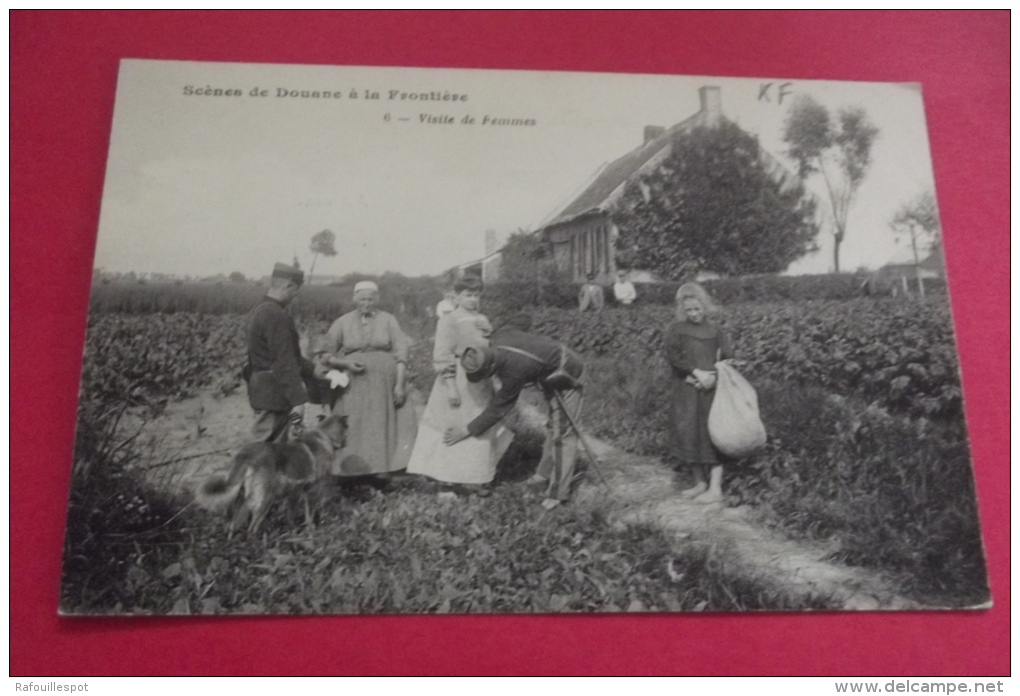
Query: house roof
[[904, 258], [609, 182], [488, 257], [935, 261], [599, 193]]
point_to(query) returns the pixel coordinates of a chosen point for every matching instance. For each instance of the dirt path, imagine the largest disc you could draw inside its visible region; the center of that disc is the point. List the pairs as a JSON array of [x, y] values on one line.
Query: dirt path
[[643, 491], [196, 437]]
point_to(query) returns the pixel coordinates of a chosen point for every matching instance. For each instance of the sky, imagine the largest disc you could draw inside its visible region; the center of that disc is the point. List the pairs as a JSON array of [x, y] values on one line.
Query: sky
[[201, 184]]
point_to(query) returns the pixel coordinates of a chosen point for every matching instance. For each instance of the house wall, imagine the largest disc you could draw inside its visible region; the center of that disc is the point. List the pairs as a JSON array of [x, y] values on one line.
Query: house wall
[[903, 270], [588, 246], [585, 246]]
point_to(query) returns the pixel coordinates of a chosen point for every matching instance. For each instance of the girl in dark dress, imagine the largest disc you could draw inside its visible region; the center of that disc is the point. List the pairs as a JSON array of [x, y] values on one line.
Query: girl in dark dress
[[694, 343]]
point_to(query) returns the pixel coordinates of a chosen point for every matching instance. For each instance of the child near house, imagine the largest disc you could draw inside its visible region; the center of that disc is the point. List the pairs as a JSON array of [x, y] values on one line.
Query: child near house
[[693, 344]]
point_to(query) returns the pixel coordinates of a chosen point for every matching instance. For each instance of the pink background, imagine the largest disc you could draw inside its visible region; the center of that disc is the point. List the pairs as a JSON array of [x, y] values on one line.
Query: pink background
[[63, 75]]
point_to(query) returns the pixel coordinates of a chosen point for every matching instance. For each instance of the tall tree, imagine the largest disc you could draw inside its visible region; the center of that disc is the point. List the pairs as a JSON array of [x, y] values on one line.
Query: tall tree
[[839, 152], [716, 203], [918, 220], [322, 243]]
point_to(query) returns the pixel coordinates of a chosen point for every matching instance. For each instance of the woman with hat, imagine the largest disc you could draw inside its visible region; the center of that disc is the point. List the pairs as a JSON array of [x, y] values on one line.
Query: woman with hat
[[369, 345]]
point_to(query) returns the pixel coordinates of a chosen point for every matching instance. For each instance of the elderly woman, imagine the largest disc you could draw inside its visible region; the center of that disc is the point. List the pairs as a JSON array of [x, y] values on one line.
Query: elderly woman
[[369, 345]]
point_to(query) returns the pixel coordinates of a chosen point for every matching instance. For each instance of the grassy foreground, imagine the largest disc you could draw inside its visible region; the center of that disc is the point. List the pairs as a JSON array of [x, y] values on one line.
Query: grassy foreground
[[873, 460], [894, 492], [411, 549]]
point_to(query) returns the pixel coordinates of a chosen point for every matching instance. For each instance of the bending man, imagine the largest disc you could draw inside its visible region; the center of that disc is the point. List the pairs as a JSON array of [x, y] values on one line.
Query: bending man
[[520, 358]]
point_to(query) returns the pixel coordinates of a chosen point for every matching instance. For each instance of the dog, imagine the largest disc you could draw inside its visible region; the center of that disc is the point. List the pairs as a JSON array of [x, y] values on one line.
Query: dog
[[263, 471]]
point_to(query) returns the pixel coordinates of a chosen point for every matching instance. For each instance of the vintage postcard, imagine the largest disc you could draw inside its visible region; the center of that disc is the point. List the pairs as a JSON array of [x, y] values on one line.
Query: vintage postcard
[[395, 340]]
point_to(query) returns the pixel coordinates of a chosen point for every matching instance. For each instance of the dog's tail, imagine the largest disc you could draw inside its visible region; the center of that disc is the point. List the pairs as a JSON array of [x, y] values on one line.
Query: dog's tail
[[218, 492]]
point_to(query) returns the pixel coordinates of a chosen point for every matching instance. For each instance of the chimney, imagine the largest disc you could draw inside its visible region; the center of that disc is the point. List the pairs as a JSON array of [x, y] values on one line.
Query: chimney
[[653, 132], [711, 105], [491, 242]]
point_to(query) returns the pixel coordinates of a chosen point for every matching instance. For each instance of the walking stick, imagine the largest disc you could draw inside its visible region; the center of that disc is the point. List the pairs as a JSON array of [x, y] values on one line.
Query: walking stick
[[584, 440]]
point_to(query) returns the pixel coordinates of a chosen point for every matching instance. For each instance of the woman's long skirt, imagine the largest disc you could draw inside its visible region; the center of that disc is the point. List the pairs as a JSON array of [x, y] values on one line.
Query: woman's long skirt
[[688, 423], [470, 461], [379, 435]]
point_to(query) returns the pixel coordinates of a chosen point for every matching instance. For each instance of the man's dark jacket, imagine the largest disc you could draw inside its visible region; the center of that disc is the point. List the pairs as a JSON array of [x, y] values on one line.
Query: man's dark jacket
[[516, 371], [274, 359]]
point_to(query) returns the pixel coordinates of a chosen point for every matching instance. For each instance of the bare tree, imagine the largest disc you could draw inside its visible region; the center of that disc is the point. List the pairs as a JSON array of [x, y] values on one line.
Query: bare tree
[[918, 220], [840, 153]]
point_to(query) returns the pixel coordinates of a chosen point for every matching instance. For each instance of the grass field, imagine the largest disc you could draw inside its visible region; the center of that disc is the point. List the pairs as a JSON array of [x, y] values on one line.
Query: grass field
[[871, 459]]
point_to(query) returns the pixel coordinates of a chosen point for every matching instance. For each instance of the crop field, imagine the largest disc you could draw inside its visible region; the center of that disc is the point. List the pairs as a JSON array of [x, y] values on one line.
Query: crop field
[[867, 455]]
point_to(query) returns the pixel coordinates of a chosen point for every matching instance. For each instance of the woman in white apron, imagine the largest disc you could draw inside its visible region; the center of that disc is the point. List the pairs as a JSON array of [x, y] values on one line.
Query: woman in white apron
[[456, 401]]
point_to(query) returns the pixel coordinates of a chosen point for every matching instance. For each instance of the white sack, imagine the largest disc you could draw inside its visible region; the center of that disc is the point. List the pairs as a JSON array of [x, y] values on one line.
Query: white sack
[[733, 422]]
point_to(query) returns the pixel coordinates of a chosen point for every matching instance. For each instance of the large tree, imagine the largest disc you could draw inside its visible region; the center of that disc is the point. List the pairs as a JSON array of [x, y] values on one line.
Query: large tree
[[525, 258], [836, 150], [918, 221], [322, 243], [716, 203]]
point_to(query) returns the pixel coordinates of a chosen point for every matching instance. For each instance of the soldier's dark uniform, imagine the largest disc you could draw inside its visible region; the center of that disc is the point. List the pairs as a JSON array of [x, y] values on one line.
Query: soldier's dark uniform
[[277, 370], [520, 358]]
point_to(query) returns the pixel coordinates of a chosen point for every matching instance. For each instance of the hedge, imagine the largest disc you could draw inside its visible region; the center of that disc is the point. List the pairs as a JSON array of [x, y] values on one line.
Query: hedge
[[757, 288], [401, 296], [897, 353]]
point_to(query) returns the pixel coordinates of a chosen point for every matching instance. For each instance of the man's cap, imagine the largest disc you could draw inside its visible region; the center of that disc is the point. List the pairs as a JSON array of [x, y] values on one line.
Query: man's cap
[[476, 362], [282, 270]]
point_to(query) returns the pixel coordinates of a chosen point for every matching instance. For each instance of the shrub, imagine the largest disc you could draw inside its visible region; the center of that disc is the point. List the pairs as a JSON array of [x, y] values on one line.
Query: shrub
[[894, 492], [121, 537], [146, 360], [507, 297], [121, 533], [884, 470], [405, 297], [894, 353], [751, 288]]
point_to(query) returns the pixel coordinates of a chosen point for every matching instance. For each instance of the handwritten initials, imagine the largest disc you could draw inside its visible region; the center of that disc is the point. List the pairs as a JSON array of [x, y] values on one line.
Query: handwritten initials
[[782, 91]]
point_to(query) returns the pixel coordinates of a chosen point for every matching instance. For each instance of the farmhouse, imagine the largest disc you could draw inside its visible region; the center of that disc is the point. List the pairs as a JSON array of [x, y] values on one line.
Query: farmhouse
[[582, 234], [901, 265], [900, 274]]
